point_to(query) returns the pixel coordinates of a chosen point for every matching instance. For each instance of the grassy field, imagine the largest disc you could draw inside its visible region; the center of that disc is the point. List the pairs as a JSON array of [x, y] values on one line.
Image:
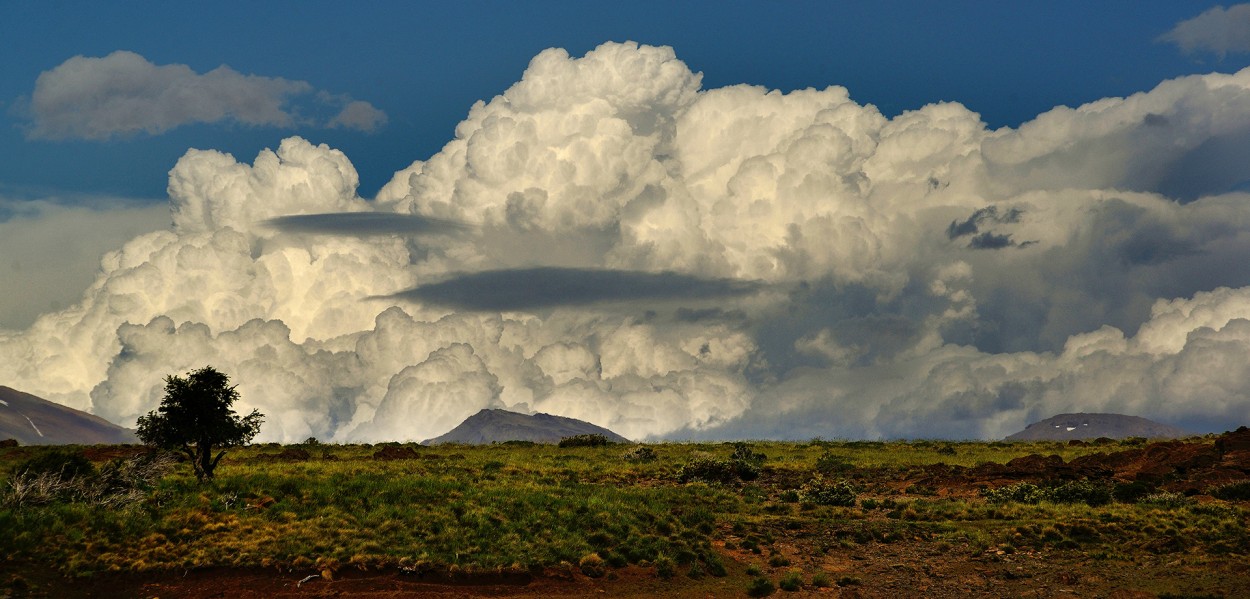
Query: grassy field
[[783, 516]]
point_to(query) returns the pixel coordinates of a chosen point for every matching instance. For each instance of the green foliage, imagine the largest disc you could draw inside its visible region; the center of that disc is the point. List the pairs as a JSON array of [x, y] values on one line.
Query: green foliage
[[821, 491], [760, 587], [641, 453], [821, 580], [1132, 492], [195, 415], [63, 464], [832, 463], [1234, 491], [585, 440], [708, 469], [791, 581], [66, 477], [1092, 493], [1167, 500]]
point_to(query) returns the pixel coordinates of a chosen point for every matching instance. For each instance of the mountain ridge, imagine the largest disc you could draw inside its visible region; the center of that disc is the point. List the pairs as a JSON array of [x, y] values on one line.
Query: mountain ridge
[[32, 420], [1081, 425], [497, 426]]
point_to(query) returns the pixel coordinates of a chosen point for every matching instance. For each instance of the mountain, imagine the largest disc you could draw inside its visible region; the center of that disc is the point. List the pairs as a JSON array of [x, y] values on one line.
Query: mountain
[[497, 426], [1066, 427], [35, 421]]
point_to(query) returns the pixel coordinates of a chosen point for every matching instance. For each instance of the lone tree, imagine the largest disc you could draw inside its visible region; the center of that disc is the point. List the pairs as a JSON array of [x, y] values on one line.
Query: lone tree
[[195, 415]]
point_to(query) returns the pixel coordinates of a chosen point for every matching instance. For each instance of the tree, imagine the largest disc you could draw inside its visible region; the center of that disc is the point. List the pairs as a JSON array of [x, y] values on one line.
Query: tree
[[195, 415]]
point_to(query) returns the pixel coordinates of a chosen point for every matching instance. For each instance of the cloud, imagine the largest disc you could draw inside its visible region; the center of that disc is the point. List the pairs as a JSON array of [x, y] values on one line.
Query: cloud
[[547, 287], [365, 223], [1218, 30], [358, 115], [790, 264], [124, 94], [54, 248]]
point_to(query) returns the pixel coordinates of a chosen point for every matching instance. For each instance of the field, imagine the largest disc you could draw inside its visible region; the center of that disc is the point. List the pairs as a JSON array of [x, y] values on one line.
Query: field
[[822, 518]]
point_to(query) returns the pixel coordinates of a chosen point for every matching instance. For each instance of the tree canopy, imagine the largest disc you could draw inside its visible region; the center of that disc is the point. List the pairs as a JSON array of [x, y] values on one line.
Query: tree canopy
[[195, 415]]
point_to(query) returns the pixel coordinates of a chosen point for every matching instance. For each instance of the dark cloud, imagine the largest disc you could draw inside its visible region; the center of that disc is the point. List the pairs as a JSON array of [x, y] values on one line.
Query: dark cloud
[[990, 241], [981, 239], [548, 287], [361, 224]]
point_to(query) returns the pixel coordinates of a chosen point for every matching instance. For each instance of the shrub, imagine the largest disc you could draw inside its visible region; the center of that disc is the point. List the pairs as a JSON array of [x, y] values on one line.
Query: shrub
[[1234, 491], [1092, 493], [64, 464], [1167, 500], [760, 587], [743, 453], [1017, 493], [592, 565], [778, 561], [708, 469], [665, 567], [62, 477], [791, 582], [830, 463], [1089, 492], [821, 580], [1132, 492], [639, 454], [825, 492], [585, 440]]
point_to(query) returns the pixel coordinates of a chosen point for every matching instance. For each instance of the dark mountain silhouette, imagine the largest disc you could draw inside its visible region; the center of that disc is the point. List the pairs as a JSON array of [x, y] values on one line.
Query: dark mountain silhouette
[[1066, 427], [497, 426], [35, 421]]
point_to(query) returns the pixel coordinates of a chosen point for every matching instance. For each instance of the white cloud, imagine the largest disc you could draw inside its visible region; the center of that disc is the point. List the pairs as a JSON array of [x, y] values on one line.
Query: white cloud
[[1218, 30], [124, 94], [924, 276], [359, 115]]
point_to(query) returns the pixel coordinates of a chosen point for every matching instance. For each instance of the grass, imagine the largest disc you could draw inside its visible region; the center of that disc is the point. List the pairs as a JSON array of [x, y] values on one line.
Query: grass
[[594, 509]]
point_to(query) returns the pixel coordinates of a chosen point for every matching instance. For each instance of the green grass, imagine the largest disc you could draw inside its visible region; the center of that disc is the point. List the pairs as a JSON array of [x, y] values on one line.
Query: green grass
[[516, 507]]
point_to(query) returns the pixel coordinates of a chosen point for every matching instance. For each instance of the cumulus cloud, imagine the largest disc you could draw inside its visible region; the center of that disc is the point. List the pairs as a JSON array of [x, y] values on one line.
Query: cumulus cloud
[[124, 94], [607, 240], [1217, 30]]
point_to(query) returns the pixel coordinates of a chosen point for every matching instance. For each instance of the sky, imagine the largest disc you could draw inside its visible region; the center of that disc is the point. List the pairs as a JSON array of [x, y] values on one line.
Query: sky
[[708, 220]]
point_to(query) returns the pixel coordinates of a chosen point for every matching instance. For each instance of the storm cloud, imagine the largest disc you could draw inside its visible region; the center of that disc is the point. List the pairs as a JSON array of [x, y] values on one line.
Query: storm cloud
[[826, 270], [546, 287]]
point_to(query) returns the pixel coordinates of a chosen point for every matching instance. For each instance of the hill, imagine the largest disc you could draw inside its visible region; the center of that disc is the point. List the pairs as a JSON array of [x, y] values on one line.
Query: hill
[[35, 421], [497, 426], [1066, 427]]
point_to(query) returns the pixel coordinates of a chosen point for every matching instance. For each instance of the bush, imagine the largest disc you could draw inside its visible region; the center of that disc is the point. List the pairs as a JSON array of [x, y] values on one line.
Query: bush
[[64, 464], [791, 582], [1091, 493], [1132, 492], [709, 469], [1167, 500], [830, 463], [1234, 491], [64, 477], [825, 492], [743, 453], [639, 454], [821, 580], [760, 587], [1017, 493], [592, 565], [590, 440]]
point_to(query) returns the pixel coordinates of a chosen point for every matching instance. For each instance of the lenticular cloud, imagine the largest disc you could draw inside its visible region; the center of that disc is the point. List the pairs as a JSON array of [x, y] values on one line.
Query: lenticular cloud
[[914, 276]]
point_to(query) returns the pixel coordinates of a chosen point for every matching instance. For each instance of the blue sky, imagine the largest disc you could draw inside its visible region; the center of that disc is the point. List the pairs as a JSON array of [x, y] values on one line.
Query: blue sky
[[1006, 211], [424, 64]]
